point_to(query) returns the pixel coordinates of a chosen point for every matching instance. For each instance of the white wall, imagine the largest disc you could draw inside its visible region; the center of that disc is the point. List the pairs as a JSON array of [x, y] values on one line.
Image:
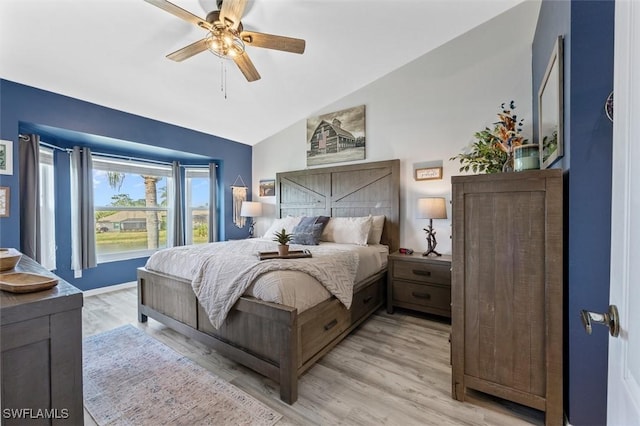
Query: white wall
[[424, 113]]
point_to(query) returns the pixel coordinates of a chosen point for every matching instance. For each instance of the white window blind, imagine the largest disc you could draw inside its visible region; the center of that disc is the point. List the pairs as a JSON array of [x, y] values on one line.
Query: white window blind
[[47, 210]]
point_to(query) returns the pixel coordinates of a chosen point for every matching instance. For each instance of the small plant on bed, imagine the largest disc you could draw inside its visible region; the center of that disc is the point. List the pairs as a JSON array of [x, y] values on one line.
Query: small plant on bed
[[283, 238]]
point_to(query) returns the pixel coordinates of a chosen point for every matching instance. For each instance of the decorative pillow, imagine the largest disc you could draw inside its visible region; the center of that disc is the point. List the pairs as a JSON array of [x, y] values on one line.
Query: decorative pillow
[[375, 233], [288, 223], [309, 229], [347, 230]]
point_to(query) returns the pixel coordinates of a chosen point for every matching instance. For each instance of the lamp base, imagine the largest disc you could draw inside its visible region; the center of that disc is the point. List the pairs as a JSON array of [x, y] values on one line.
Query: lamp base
[[431, 240], [430, 252]]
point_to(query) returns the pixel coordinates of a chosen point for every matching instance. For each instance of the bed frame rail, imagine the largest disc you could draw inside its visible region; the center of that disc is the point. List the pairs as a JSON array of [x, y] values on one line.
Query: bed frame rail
[[256, 334]]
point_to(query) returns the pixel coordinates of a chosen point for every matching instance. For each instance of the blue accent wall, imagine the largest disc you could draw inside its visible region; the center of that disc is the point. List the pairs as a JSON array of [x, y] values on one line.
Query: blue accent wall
[[25, 108], [588, 27]]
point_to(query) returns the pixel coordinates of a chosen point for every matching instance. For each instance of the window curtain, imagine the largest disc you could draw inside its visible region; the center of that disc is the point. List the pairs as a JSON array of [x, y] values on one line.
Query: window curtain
[[178, 203], [213, 222], [83, 235], [29, 161]]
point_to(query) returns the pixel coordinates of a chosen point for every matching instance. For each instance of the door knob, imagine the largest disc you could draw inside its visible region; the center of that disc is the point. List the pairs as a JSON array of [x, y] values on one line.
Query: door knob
[[609, 319]]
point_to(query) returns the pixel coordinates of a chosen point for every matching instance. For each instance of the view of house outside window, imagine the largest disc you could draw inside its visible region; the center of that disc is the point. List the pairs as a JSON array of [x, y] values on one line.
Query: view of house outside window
[[132, 203], [197, 189]]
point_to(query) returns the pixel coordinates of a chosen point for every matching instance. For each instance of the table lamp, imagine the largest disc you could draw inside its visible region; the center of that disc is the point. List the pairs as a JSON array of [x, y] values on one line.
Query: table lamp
[[431, 208], [251, 209]]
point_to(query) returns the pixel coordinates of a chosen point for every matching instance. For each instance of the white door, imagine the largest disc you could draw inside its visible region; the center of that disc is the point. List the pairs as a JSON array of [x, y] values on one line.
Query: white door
[[623, 402]]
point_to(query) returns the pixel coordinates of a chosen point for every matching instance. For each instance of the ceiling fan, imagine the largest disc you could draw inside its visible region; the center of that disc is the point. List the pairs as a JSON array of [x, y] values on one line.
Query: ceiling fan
[[226, 36]]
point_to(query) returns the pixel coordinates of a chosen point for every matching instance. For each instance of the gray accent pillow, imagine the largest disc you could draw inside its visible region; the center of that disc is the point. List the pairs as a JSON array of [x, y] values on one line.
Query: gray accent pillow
[[309, 229]]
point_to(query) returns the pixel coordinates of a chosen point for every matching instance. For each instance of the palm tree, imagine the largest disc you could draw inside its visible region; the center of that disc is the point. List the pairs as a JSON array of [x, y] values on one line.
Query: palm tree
[[151, 199]]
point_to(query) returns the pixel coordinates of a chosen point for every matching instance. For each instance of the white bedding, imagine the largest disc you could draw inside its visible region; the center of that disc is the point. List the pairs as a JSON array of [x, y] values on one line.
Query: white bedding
[[291, 288]]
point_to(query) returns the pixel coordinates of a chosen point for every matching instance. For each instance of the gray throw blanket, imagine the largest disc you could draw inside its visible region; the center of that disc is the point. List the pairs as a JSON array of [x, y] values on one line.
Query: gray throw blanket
[[226, 274]]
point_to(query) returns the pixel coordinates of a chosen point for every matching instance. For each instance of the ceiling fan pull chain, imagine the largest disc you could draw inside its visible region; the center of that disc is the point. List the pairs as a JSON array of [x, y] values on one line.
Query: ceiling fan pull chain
[[223, 77]]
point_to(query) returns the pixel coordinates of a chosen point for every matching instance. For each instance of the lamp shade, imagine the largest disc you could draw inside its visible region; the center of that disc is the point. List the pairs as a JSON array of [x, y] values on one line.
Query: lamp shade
[[251, 209], [432, 208]]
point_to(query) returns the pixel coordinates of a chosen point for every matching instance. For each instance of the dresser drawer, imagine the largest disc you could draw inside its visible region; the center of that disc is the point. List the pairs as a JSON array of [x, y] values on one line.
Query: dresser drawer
[[422, 295], [420, 271]]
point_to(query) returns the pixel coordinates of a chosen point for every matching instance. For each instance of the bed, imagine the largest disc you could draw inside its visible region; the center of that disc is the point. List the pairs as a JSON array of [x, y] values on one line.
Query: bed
[[273, 339]]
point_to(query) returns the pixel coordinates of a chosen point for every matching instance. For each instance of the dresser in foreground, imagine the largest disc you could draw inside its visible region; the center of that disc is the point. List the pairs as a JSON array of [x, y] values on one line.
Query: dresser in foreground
[[41, 353], [507, 288]]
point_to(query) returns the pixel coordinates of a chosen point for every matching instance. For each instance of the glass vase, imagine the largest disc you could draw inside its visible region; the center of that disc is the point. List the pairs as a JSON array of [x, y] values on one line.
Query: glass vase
[[508, 165]]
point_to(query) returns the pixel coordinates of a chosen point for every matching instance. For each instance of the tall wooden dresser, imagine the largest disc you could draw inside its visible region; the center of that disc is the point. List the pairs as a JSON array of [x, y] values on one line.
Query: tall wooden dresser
[[41, 354], [507, 288]]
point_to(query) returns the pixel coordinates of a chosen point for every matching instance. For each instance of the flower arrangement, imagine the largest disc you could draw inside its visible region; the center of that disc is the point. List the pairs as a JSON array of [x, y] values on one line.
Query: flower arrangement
[[507, 129], [493, 148]]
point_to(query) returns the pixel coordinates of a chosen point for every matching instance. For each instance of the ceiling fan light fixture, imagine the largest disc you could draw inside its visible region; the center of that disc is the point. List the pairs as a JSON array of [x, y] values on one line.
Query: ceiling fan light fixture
[[225, 44]]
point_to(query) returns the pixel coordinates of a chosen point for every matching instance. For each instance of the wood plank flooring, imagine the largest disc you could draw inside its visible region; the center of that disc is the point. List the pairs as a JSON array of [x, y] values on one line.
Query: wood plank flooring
[[392, 370]]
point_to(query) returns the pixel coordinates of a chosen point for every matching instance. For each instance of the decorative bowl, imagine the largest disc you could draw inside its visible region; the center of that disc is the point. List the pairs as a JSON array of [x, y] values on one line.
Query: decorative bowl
[[9, 258]]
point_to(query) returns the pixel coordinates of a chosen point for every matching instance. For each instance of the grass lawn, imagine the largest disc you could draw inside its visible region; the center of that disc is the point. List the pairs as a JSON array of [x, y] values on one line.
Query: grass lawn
[[114, 241]]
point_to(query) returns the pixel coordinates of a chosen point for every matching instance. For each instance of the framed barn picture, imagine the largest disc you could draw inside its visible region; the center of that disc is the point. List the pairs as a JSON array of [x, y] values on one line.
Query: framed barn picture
[[336, 137]]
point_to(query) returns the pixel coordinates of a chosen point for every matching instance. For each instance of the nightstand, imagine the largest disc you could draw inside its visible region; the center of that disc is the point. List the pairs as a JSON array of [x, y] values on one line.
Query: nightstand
[[421, 283]]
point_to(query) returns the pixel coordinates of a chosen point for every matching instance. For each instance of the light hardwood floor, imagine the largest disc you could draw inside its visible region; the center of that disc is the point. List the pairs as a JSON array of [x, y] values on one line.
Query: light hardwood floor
[[394, 369]]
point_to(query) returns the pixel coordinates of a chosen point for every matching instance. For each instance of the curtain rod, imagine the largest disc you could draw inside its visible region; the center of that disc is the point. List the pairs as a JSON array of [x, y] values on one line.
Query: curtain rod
[[197, 166], [50, 146], [120, 157]]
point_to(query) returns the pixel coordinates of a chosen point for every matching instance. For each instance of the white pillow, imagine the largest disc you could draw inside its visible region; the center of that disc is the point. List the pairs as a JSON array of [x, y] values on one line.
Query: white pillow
[[347, 230], [375, 233], [288, 223]]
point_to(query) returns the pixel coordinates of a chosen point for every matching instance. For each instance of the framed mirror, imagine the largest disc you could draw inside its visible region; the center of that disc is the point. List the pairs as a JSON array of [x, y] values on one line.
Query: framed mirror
[[550, 109]]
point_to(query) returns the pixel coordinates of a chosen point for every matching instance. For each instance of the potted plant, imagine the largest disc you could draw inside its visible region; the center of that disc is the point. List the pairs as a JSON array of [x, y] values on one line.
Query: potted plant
[[283, 238], [493, 150]]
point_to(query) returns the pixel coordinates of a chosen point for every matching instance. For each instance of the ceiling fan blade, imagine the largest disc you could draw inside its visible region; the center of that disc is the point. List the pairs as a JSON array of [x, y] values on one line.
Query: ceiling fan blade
[[269, 41], [246, 66], [231, 12], [180, 13], [190, 50]]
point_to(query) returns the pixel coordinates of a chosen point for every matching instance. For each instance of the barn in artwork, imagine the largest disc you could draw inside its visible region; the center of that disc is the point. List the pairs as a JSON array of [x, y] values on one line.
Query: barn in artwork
[[330, 138], [336, 137]]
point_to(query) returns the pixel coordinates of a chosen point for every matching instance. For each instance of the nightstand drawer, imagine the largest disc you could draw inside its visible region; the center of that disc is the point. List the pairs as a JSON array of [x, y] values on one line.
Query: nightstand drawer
[[422, 295], [425, 272]]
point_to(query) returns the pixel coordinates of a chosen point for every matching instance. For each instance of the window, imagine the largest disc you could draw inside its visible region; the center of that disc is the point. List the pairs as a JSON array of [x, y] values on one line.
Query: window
[[47, 210], [197, 202], [132, 208]]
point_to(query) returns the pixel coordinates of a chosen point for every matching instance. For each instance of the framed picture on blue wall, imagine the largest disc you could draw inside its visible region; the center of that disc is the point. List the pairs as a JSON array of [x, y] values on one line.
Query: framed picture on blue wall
[[4, 201], [6, 158]]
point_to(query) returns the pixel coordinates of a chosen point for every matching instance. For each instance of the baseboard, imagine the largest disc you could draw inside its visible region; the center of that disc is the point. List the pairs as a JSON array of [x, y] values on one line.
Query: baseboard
[[109, 289]]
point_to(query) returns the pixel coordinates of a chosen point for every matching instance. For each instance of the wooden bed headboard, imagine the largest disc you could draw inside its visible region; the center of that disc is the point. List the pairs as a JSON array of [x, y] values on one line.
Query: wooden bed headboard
[[344, 191]]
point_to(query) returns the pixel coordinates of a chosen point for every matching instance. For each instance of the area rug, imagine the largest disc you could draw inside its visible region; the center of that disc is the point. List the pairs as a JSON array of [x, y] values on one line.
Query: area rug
[[130, 378]]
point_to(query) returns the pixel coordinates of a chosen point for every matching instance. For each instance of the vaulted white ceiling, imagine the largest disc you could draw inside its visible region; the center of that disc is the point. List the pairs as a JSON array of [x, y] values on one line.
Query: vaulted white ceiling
[[112, 53]]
